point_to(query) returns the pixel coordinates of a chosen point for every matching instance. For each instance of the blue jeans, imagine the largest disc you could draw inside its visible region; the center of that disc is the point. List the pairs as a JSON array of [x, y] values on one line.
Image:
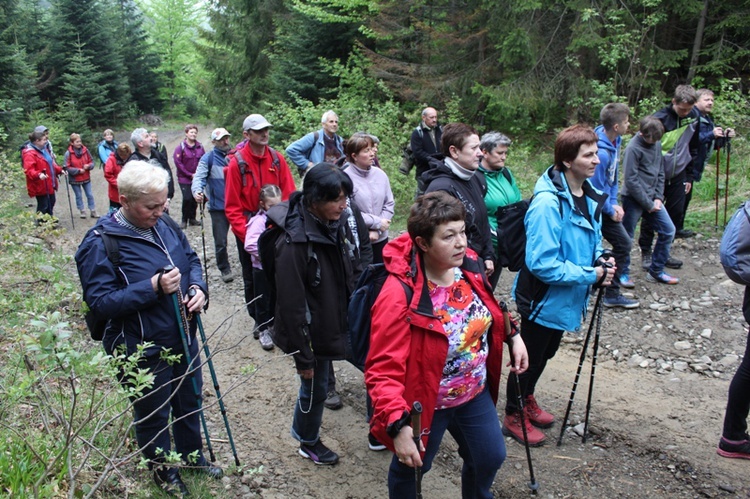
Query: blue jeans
[[220, 229], [308, 411], [476, 428], [659, 221], [79, 197]]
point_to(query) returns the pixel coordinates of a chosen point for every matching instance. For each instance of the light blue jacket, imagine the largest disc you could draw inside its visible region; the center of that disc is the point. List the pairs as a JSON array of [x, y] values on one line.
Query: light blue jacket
[[307, 149], [209, 177], [562, 246]]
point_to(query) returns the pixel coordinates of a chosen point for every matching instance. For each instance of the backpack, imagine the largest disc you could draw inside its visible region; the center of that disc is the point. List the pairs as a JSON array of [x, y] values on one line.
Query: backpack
[[97, 325], [408, 160], [359, 317], [243, 164], [734, 251]]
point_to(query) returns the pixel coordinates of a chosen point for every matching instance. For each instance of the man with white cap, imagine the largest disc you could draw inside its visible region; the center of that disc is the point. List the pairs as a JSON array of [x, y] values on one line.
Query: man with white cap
[[251, 167], [208, 186]]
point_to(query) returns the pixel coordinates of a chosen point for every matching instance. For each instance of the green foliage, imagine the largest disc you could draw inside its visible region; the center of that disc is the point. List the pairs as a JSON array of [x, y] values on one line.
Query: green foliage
[[85, 92]]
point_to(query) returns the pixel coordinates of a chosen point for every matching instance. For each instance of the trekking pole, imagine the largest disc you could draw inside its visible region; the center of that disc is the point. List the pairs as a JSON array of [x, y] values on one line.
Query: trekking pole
[[533, 485], [605, 256], [70, 205], [182, 322], [416, 425], [716, 194], [726, 181], [210, 362], [597, 314], [203, 240]]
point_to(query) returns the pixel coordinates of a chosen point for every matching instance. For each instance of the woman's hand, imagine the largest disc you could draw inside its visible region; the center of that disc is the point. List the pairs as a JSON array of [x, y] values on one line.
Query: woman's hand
[[610, 273], [519, 357], [384, 224], [196, 302], [170, 281], [406, 449]]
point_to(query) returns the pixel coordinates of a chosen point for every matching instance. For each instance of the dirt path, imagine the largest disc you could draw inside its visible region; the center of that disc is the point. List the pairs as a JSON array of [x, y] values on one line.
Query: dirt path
[[656, 415]]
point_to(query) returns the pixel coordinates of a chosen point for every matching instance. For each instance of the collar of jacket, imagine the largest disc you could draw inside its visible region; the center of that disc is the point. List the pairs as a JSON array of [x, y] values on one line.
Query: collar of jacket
[[302, 226], [563, 191]]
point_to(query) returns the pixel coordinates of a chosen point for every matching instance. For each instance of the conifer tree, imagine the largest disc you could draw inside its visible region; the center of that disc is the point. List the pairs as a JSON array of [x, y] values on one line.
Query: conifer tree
[[84, 90]]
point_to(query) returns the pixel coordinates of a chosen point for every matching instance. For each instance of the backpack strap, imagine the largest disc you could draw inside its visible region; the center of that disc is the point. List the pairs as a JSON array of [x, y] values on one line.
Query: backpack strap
[[506, 174], [113, 250], [274, 157], [315, 141]]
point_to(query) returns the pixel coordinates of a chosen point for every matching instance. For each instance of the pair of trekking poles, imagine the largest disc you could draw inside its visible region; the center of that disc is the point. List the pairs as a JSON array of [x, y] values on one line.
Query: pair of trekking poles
[[182, 321]]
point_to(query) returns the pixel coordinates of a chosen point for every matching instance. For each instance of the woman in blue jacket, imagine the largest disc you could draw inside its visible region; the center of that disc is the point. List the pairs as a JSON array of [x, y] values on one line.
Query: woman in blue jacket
[[563, 246], [136, 297]]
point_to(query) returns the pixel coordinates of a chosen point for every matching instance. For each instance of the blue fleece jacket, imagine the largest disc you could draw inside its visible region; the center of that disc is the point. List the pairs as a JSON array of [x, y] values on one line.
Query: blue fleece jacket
[[606, 176]]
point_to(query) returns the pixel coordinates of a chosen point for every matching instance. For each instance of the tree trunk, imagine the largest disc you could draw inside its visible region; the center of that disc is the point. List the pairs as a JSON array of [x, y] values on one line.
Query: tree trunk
[[698, 42]]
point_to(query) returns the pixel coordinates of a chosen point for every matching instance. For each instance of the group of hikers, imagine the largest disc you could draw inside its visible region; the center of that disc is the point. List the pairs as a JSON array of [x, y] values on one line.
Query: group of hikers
[[437, 331]]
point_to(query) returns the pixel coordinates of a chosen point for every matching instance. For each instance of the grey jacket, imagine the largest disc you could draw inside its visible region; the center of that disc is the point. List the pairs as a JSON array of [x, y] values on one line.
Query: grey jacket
[[643, 172]]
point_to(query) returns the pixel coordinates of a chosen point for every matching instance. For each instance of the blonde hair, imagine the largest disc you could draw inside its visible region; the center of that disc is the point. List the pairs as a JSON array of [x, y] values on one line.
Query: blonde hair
[[139, 178]]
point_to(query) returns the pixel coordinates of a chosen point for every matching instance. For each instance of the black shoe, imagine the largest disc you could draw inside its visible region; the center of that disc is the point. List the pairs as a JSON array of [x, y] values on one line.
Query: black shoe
[[318, 453], [673, 263], [207, 469], [374, 444], [170, 482], [645, 260], [193, 222], [333, 401], [683, 234], [183, 225]]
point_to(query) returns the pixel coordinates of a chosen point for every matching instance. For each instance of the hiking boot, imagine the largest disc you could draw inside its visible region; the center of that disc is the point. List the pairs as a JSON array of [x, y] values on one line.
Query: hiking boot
[[683, 234], [183, 225], [170, 482], [626, 281], [373, 443], [206, 468], [662, 278], [318, 453], [83, 214], [737, 449], [536, 415], [265, 340], [673, 263], [333, 401], [227, 276], [193, 222], [620, 301], [646, 261], [94, 214], [512, 428]]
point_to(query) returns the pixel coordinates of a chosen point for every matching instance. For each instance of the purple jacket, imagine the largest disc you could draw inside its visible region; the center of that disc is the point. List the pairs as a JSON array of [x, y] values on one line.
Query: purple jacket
[[186, 160], [372, 195]]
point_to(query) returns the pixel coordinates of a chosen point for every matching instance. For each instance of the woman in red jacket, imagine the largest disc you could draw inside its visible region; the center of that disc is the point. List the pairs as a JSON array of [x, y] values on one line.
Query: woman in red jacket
[[41, 173], [442, 347], [79, 163], [112, 169]]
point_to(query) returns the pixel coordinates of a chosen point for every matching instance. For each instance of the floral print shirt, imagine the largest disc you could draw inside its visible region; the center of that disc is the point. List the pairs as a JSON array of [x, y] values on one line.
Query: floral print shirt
[[466, 321]]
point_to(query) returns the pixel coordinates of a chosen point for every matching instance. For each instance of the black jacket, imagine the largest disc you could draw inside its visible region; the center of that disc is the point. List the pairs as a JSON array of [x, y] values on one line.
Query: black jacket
[[163, 162], [471, 193], [315, 272], [423, 148]]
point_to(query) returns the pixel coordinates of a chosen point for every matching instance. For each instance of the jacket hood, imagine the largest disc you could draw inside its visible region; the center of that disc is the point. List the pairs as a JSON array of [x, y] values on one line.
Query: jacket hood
[[554, 181], [437, 169], [604, 142], [301, 225]]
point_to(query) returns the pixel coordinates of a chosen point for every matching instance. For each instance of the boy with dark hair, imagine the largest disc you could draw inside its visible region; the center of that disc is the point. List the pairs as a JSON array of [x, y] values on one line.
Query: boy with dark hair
[[642, 195], [615, 118]]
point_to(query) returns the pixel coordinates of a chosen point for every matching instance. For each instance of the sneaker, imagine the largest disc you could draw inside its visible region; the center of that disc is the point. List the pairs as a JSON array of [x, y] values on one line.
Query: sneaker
[[673, 263], [646, 261], [83, 214], [193, 222], [227, 276], [737, 449], [661, 277], [94, 214], [265, 340], [536, 415], [683, 234], [373, 443], [620, 301], [333, 401], [318, 453], [170, 482], [626, 281], [512, 428]]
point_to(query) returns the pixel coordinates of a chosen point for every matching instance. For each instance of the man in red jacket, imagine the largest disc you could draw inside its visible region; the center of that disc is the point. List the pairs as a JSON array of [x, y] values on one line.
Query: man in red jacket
[[253, 165]]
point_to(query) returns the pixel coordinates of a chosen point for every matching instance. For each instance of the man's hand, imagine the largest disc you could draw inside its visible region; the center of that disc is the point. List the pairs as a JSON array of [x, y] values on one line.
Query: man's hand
[[618, 213], [489, 266], [688, 187], [657, 206]]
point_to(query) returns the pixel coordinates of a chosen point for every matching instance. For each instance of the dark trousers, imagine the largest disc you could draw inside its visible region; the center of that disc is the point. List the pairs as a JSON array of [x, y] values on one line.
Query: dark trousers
[[674, 202], [617, 236], [738, 404], [170, 392], [377, 251], [45, 204], [247, 276], [220, 229], [189, 205], [476, 429], [263, 313], [680, 224], [541, 344]]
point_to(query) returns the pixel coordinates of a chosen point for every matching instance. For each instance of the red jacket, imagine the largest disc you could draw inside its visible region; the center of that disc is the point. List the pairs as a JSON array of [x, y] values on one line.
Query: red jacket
[[240, 200], [408, 345], [34, 164], [112, 169], [79, 168]]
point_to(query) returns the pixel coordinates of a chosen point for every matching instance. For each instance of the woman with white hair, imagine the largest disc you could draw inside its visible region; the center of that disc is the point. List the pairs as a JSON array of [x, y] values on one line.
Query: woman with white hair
[[135, 296]]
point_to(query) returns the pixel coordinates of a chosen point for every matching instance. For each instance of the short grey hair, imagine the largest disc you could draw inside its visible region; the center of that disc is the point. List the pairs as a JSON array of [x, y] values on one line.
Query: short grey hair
[[327, 114], [491, 140], [137, 136], [140, 178]]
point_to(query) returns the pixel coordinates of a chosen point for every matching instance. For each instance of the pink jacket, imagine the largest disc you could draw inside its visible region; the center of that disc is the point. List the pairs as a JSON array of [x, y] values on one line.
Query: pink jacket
[[255, 227]]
